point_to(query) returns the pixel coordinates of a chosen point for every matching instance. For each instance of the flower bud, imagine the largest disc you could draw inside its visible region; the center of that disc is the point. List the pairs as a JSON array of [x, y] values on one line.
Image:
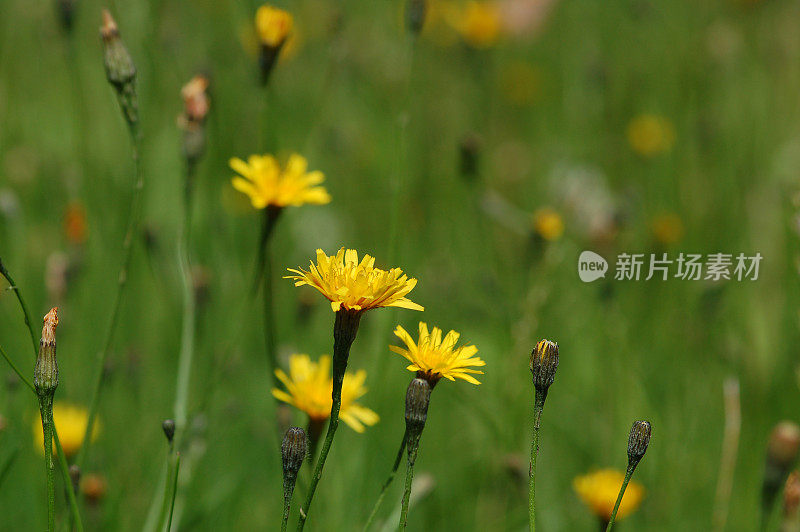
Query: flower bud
[[120, 70], [75, 476], [273, 27], [418, 397], [65, 10], [168, 425], [293, 451], [45, 373], [638, 440], [782, 449], [791, 496], [94, 488], [544, 363], [415, 15], [469, 150]]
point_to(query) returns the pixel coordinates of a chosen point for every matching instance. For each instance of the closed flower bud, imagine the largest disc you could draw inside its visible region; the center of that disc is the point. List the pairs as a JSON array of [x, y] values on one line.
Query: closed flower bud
[[469, 151], [168, 425], [66, 13], [293, 451], [120, 70], [791, 496], [45, 373], [544, 363], [638, 440], [415, 15], [75, 476], [418, 397], [782, 449], [273, 26]]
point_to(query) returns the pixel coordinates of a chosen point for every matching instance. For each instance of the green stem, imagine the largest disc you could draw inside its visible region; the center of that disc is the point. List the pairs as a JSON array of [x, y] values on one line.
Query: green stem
[[628, 475], [122, 281], [537, 417], [271, 214], [46, 412], [167, 498], [73, 502], [412, 457], [174, 490], [27, 315], [388, 481], [344, 332], [288, 489]]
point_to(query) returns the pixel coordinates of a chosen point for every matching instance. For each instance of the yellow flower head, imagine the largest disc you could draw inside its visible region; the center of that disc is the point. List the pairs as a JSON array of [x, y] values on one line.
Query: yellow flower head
[[599, 490], [70, 421], [650, 135], [355, 285], [548, 224], [266, 184], [272, 25], [478, 23], [309, 386], [435, 358]]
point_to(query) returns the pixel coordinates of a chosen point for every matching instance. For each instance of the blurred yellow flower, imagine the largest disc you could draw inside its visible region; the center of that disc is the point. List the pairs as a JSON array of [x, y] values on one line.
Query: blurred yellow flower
[[478, 23], [650, 135], [266, 184], [70, 421], [548, 224], [354, 285], [667, 228], [599, 490], [435, 358], [309, 386], [272, 25]]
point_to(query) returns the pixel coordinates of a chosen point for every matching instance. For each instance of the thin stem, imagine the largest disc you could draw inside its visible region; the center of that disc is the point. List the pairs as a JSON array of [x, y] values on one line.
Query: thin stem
[[22, 377], [167, 498], [271, 214], [288, 489], [730, 445], [344, 332], [412, 457], [46, 412], [174, 490], [628, 475], [537, 418], [25, 313], [122, 281], [388, 481]]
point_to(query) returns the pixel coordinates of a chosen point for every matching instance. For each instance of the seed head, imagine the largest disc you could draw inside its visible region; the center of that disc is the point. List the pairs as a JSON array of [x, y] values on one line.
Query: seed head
[[544, 363], [418, 397], [168, 425], [293, 451], [638, 440], [45, 373]]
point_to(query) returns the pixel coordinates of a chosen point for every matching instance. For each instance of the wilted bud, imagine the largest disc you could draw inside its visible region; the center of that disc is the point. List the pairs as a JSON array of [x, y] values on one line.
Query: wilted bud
[[293, 451], [469, 155], [638, 440], [415, 15], [195, 109], [45, 373], [273, 27], [120, 70], [544, 363], [791, 496], [782, 448], [94, 488], [168, 426]]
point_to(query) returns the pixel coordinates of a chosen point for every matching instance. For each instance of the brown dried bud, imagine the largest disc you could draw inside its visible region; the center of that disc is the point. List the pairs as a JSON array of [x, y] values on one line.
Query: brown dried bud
[[195, 99], [638, 440], [791, 495], [293, 451], [784, 443], [45, 373], [120, 70], [94, 488], [544, 363]]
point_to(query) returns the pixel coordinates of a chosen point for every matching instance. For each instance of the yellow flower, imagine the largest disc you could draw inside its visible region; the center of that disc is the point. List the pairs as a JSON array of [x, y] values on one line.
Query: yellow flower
[[667, 228], [266, 184], [435, 358], [548, 224], [650, 135], [70, 421], [272, 25], [309, 385], [355, 285], [478, 23], [599, 490]]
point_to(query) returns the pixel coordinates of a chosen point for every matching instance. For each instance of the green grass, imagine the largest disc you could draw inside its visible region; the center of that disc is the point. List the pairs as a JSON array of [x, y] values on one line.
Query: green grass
[[629, 350]]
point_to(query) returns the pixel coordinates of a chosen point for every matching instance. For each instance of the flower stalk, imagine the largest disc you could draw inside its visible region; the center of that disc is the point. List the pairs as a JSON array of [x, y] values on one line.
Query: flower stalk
[[345, 329], [45, 382], [388, 481], [418, 397], [638, 440]]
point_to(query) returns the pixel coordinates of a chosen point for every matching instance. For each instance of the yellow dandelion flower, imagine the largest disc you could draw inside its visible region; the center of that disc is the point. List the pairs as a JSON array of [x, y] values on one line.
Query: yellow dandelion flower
[[599, 490], [478, 23], [70, 421], [309, 386], [667, 228], [548, 224], [266, 184], [272, 25], [650, 135], [434, 358], [354, 285]]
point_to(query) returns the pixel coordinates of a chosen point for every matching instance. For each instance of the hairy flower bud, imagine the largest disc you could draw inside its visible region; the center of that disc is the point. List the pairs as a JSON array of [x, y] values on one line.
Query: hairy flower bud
[[293, 450], [544, 363], [120, 70], [638, 440], [418, 397], [45, 373], [168, 426]]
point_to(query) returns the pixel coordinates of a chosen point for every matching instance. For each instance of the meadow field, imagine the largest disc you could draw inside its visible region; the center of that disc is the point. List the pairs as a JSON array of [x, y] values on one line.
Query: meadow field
[[481, 155]]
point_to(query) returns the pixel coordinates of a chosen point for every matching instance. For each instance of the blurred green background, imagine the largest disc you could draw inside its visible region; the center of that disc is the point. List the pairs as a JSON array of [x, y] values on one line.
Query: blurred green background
[[550, 104]]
